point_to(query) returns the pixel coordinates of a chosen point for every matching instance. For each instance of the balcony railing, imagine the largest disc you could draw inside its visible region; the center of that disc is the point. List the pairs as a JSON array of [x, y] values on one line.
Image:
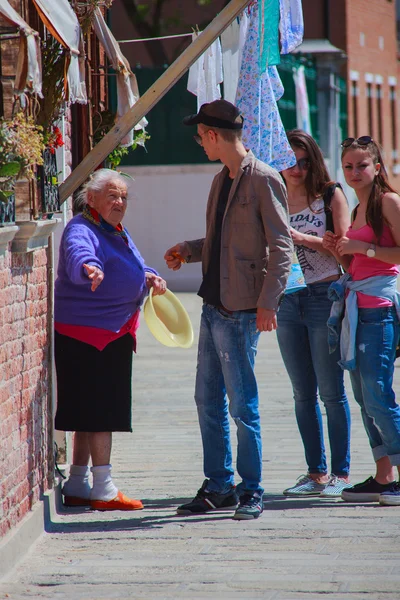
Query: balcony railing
[[48, 182], [7, 212]]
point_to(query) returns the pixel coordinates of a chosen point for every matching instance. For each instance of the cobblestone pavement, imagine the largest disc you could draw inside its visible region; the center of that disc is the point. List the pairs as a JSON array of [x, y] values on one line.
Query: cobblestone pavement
[[298, 549]]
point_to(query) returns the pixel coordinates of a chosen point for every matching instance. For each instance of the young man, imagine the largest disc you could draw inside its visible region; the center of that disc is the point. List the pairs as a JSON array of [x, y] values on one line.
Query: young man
[[246, 257]]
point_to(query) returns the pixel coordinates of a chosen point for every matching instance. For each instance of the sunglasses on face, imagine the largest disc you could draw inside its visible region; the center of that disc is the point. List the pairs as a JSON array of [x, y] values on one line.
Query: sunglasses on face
[[303, 164], [198, 139], [364, 140]]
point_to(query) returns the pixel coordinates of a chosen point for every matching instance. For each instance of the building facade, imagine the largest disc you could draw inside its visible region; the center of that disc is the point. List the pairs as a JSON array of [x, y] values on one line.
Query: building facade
[[29, 236], [366, 32]]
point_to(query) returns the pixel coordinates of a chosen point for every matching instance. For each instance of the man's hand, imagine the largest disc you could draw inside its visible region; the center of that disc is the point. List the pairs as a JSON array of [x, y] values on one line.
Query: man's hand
[[95, 274], [175, 256], [158, 284], [266, 319]]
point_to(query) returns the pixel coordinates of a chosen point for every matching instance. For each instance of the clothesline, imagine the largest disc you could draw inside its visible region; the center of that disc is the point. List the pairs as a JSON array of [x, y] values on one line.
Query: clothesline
[[162, 37]]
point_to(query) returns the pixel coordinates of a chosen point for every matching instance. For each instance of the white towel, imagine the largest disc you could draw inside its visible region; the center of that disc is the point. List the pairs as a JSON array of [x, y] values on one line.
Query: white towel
[[206, 74]]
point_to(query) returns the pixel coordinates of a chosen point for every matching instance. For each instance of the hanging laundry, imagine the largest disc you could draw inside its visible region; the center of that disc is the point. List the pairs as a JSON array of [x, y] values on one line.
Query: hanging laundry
[[302, 104], [268, 27], [257, 97], [230, 59], [63, 24], [127, 87], [291, 26], [205, 75], [232, 42]]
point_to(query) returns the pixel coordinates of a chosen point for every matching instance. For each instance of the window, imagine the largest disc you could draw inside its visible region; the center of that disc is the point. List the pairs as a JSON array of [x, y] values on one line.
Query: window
[[379, 112], [393, 124], [370, 109], [354, 107]]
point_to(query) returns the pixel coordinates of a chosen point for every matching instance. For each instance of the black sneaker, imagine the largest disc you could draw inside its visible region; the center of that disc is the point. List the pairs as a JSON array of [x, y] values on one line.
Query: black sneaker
[[206, 501], [367, 491], [250, 507]]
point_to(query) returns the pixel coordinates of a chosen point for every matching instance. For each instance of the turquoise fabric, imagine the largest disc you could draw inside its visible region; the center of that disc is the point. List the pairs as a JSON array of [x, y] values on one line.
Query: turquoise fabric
[[268, 15]]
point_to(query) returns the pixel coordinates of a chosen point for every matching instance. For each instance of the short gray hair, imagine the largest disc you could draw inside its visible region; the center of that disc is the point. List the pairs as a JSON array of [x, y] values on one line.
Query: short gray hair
[[97, 182]]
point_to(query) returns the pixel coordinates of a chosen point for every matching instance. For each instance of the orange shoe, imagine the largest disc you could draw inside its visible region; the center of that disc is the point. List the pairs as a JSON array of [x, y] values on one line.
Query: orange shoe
[[121, 502], [75, 501]]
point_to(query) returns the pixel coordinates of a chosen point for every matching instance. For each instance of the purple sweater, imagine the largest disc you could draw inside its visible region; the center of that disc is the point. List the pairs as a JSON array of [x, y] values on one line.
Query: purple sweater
[[120, 293]]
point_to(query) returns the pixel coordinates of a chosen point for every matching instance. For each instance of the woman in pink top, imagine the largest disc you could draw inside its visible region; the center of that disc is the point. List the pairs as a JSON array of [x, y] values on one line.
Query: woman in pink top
[[371, 249]]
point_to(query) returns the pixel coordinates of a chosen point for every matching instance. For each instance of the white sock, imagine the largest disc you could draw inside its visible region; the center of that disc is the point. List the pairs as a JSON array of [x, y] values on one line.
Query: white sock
[[78, 482], [103, 486]]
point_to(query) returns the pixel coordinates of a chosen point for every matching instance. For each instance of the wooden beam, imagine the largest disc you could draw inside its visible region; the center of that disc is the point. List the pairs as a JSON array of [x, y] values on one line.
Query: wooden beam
[[151, 97]]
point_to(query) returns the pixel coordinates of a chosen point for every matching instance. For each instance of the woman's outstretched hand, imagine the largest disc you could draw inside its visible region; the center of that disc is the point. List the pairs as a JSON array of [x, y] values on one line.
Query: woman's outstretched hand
[[95, 274]]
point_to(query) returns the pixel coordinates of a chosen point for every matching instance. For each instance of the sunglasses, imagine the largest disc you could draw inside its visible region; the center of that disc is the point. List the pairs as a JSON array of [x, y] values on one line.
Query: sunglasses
[[198, 139], [364, 140], [303, 164]]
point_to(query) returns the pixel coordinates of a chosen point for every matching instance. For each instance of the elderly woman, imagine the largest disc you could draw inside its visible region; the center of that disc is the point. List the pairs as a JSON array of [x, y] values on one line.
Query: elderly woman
[[102, 281]]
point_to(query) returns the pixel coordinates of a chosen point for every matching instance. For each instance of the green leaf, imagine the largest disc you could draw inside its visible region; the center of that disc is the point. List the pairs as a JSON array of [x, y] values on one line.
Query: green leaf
[[10, 169], [4, 196], [143, 10]]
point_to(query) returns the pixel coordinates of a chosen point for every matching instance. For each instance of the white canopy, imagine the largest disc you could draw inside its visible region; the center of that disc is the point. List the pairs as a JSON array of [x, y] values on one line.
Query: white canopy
[[29, 70], [127, 88], [63, 24]]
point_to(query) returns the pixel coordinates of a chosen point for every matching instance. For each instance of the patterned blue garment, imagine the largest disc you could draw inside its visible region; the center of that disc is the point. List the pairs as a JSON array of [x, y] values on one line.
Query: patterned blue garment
[[291, 25], [257, 97]]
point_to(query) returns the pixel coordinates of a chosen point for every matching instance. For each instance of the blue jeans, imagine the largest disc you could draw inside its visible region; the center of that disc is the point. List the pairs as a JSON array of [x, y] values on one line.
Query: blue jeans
[[303, 340], [227, 349], [377, 337]]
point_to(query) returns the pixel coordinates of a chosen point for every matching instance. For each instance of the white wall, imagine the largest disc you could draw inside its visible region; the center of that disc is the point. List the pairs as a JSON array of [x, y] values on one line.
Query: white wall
[[169, 206]]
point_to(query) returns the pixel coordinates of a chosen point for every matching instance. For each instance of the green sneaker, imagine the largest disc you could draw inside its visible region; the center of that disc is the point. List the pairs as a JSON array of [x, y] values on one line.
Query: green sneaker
[[250, 507]]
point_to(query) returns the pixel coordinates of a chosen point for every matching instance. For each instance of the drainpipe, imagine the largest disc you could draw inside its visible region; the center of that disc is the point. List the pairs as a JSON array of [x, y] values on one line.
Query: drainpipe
[[62, 439]]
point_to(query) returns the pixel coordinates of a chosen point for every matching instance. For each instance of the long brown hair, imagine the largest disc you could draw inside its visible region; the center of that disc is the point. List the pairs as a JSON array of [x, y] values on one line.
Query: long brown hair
[[373, 214], [317, 179]]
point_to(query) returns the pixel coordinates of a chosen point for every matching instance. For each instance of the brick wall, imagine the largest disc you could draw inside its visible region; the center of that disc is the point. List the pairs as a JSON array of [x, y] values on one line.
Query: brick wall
[[366, 31], [372, 55], [26, 462]]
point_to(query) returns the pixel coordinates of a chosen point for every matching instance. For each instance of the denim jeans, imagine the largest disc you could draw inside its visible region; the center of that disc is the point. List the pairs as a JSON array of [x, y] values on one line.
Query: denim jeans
[[303, 340], [377, 337], [225, 367]]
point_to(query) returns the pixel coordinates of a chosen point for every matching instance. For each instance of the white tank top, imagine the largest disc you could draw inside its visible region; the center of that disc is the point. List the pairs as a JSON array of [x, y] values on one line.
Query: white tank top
[[312, 221]]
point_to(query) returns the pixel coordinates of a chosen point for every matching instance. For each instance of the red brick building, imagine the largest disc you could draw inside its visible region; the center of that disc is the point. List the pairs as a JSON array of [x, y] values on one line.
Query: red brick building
[[27, 249], [366, 31]]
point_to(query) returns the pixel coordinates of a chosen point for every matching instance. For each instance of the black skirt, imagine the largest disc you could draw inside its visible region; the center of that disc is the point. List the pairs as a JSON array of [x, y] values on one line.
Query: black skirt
[[94, 388]]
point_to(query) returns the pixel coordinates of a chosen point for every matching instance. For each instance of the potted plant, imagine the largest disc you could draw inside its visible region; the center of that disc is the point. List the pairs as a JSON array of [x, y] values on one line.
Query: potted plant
[[21, 148]]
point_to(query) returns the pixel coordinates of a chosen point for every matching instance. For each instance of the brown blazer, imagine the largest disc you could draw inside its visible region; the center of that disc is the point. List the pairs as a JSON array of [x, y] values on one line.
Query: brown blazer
[[256, 246]]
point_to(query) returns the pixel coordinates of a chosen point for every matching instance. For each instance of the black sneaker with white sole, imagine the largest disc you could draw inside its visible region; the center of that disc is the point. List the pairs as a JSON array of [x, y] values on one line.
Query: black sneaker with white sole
[[206, 501], [367, 491]]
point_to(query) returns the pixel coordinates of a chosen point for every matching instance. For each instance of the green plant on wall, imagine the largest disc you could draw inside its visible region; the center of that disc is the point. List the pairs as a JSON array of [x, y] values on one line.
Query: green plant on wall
[[53, 65], [102, 123], [21, 148]]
